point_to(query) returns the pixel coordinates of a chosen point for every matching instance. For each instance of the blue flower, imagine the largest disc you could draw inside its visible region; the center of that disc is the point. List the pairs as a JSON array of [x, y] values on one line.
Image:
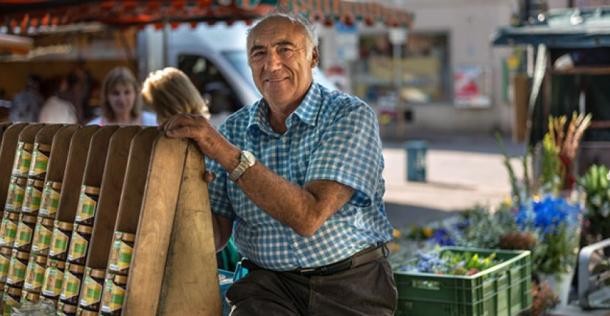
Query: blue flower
[[547, 215], [442, 237]]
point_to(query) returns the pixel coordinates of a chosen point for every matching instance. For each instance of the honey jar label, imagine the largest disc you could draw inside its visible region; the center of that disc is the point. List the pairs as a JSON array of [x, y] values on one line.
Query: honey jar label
[[59, 243], [9, 303], [53, 282], [34, 276], [78, 247], [24, 235], [92, 292], [49, 201], [120, 256], [40, 162], [15, 197], [23, 158], [23, 165], [113, 297], [30, 297], [42, 239], [32, 199], [71, 286], [17, 160], [86, 207], [16, 271], [5, 263], [8, 232]]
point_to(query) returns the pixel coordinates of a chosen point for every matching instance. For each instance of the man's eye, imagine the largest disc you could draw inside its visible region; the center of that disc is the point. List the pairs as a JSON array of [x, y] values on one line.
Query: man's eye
[[257, 55], [285, 51]]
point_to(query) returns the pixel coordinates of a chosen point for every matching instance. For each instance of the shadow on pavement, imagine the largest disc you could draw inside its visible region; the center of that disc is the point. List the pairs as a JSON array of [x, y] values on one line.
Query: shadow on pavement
[[405, 215]]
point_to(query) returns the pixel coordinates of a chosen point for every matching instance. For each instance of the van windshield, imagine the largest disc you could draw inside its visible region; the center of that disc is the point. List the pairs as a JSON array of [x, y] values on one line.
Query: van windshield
[[239, 61]]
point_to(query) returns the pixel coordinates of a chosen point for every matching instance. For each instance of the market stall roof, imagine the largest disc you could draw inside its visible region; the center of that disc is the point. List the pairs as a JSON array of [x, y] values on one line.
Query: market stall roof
[[563, 28], [27, 16]]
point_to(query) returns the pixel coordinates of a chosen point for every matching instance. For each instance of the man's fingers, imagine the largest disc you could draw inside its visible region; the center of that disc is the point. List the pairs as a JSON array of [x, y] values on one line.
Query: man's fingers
[[208, 176], [173, 121], [181, 132]]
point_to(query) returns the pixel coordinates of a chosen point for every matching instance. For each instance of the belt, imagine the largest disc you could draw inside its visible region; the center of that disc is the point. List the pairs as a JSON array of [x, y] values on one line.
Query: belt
[[362, 257]]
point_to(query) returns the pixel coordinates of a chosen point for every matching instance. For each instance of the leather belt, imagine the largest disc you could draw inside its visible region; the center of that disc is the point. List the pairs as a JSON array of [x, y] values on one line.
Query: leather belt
[[362, 257]]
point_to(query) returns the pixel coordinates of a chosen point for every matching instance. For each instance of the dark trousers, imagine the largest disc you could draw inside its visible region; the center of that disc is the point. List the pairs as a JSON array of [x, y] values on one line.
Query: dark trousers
[[368, 289]]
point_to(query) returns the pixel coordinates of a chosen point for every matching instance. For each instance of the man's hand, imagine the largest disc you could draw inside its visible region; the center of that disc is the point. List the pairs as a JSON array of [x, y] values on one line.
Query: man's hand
[[208, 176], [192, 126], [211, 143]]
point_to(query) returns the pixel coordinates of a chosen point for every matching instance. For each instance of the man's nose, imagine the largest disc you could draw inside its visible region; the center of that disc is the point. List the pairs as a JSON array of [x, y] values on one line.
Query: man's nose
[[272, 60]]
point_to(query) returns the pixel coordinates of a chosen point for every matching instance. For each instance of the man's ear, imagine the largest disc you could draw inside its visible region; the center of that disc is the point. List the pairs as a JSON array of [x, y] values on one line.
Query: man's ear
[[315, 57]]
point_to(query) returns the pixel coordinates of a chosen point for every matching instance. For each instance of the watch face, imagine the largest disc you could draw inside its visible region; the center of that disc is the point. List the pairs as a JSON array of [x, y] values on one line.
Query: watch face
[[249, 158]]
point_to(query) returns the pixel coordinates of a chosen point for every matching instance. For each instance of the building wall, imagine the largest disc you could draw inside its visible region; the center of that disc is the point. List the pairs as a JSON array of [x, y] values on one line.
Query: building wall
[[469, 25]]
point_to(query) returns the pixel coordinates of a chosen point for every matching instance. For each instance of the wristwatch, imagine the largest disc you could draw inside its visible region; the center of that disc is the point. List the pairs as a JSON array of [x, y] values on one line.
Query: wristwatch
[[246, 160]]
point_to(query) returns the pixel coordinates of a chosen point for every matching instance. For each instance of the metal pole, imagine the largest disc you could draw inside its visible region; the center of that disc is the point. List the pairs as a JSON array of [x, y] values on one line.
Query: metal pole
[[396, 53], [165, 42]]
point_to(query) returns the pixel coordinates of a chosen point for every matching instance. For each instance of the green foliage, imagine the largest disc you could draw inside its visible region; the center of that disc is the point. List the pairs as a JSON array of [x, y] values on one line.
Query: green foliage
[[595, 183], [452, 262], [485, 229], [552, 174], [514, 182], [526, 174], [557, 253]]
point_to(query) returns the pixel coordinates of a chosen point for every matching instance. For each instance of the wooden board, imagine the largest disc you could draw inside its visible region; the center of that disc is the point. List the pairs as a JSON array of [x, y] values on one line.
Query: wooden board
[[155, 227], [28, 134], [7, 157], [59, 153], [45, 134], [110, 194], [73, 175], [135, 180], [190, 283], [96, 158]]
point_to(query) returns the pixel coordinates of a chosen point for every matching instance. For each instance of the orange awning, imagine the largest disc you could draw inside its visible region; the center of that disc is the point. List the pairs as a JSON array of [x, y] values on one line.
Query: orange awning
[[34, 15]]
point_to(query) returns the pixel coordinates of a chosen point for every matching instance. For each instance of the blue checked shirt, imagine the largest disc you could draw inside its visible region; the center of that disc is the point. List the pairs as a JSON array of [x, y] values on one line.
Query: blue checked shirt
[[330, 136]]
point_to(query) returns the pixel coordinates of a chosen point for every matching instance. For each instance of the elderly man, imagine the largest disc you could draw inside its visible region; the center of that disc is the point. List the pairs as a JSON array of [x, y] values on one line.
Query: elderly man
[[299, 183]]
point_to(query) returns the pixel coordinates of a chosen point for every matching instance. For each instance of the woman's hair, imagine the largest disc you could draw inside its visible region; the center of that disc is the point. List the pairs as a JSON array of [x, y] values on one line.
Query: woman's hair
[[169, 92], [119, 75]]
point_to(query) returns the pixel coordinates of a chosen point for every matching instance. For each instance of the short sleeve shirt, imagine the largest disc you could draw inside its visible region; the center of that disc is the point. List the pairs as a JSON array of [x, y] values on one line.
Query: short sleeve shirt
[[330, 136]]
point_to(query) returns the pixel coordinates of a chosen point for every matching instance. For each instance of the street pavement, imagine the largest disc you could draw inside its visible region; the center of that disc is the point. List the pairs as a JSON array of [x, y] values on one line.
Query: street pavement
[[462, 171]]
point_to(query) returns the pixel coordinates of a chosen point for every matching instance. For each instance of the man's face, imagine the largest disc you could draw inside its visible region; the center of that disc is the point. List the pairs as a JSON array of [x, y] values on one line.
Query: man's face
[[281, 58]]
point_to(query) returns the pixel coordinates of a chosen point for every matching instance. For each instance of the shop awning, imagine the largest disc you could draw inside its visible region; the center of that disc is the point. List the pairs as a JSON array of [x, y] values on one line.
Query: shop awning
[[30, 16], [15, 44], [566, 28]]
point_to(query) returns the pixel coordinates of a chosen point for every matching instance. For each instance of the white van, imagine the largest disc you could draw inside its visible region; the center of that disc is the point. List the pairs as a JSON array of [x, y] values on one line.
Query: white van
[[213, 56]]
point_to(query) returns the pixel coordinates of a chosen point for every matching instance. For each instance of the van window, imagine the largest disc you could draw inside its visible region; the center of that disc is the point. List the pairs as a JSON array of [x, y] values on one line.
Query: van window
[[210, 82]]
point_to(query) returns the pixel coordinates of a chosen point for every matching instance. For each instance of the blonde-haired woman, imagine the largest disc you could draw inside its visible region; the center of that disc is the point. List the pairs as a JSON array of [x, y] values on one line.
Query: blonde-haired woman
[[121, 102], [169, 92]]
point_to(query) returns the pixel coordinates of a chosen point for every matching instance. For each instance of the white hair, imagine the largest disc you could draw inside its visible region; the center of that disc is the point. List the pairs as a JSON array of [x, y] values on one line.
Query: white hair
[[309, 29]]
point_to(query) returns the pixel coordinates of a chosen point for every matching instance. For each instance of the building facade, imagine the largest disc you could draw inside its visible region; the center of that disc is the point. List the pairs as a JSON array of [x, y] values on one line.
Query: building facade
[[446, 78]]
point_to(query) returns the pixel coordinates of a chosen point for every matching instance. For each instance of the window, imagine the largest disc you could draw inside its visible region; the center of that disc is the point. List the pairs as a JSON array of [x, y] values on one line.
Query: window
[[422, 72]]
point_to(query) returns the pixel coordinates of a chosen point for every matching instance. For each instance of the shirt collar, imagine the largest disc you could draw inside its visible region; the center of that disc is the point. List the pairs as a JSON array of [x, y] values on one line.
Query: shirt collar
[[306, 111]]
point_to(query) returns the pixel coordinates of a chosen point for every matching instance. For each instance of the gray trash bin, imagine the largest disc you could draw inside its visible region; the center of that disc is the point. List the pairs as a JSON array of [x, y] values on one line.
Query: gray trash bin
[[416, 160]]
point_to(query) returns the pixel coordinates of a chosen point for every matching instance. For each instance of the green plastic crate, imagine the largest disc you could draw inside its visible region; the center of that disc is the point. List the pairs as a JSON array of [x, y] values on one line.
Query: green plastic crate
[[502, 290]]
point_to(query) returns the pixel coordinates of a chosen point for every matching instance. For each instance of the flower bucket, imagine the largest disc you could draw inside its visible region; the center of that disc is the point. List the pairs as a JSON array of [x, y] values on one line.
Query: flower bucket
[[560, 283]]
